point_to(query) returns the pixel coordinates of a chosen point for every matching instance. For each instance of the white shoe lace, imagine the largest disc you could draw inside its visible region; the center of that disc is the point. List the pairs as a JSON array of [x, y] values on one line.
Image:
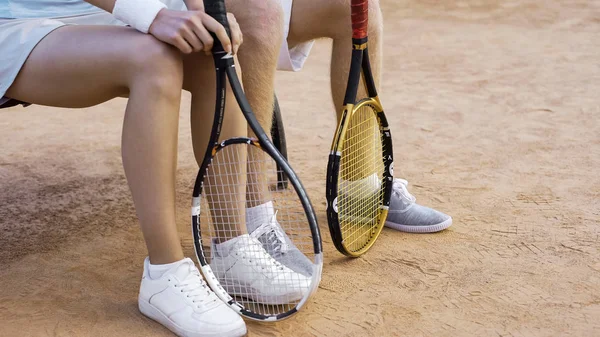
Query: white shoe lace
[[196, 288], [400, 188], [253, 252], [274, 234]]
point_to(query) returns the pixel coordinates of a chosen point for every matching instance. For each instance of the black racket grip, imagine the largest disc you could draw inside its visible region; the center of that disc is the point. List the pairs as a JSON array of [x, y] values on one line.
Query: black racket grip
[[217, 9]]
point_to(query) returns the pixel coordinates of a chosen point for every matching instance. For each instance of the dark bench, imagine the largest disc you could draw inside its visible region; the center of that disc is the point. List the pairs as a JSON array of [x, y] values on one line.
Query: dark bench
[[13, 102]]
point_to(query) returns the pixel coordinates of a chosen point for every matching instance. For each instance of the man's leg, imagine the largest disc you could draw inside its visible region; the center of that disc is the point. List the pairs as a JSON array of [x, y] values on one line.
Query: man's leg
[[262, 24], [228, 189], [313, 19], [261, 21], [223, 184]]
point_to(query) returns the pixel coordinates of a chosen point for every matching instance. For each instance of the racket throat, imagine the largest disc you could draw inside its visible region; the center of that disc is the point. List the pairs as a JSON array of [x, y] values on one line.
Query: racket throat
[[340, 132], [360, 44]]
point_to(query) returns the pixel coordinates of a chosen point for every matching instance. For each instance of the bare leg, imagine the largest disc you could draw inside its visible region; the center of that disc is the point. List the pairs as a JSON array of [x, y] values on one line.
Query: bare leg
[[110, 61], [313, 19], [232, 217], [262, 24]]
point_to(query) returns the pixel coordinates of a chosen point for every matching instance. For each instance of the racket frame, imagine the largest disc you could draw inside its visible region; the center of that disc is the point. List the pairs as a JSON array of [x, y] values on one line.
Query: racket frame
[[279, 140], [225, 69], [360, 67]]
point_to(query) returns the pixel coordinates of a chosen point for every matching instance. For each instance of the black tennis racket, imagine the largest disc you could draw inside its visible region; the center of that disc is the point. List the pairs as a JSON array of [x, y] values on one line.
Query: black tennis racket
[[360, 168], [265, 263]]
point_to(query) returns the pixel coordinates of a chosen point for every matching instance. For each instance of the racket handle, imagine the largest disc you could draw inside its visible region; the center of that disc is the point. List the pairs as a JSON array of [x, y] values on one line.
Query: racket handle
[[217, 9], [360, 18]]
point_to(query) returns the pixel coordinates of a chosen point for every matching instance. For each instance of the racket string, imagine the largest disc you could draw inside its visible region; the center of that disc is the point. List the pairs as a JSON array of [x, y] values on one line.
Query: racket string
[[361, 171], [242, 176]]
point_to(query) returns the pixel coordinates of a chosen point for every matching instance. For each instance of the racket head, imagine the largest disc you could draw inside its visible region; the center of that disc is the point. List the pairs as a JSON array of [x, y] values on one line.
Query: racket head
[[359, 177], [209, 227]]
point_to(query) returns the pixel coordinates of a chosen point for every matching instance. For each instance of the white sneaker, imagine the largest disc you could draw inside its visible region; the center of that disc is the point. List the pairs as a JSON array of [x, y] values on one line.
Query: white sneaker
[[181, 301], [244, 268], [281, 248]]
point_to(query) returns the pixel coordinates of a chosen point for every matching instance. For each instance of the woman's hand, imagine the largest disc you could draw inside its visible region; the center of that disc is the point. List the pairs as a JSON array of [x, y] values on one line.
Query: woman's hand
[[189, 31]]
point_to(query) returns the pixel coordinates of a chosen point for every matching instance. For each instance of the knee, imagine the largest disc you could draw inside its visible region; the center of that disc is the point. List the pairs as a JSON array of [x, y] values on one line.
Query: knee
[[156, 65], [261, 21]]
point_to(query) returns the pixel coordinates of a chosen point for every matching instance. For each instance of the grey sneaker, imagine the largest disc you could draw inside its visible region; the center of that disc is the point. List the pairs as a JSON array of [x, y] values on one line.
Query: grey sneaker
[[281, 248], [406, 215]]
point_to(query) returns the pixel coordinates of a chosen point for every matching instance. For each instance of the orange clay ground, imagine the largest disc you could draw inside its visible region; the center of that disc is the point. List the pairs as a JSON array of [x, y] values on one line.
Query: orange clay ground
[[495, 112]]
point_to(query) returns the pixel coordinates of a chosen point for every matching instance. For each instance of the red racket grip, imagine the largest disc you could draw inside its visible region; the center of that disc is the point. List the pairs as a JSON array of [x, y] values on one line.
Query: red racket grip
[[360, 18]]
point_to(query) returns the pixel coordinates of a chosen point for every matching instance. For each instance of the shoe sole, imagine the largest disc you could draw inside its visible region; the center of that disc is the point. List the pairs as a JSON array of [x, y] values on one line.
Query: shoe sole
[[420, 229], [237, 289], [153, 313]]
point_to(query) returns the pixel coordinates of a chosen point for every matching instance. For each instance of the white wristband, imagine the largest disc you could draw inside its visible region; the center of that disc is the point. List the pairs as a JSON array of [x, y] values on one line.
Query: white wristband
[[139, 14]]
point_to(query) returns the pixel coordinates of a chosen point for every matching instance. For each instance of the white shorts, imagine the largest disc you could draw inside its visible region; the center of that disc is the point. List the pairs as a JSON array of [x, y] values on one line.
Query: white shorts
[[291, 59], [18, 37]]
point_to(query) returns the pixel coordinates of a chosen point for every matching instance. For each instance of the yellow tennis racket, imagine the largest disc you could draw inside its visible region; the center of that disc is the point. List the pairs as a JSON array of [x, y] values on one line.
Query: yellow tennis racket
[[360, 168]]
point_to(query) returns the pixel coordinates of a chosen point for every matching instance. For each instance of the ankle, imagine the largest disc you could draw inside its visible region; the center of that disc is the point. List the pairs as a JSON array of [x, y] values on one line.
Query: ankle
[[165, 258], [156, 271], [258, 215]]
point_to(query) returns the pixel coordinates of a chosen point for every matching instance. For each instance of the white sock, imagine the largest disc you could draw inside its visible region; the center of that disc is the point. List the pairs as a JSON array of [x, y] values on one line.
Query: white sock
[[156, 271], [222, 249], [370, 184], [258, 215]]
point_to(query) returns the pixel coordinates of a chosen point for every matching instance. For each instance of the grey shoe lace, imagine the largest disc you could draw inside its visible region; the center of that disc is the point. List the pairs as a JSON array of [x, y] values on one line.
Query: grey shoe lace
[[400, 188]]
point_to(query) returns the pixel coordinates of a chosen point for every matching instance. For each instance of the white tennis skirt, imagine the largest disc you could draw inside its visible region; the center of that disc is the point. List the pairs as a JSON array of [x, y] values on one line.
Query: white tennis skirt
[[18, 37]]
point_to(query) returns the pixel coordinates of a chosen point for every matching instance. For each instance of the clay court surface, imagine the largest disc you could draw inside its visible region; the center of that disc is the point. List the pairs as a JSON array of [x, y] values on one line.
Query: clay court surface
[[495, 114]]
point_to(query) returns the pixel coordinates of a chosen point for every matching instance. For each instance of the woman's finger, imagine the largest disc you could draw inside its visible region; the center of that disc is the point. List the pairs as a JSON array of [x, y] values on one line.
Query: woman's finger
[[236, 33], [189, 35], [215, 27], [182, 44], [204, 36]]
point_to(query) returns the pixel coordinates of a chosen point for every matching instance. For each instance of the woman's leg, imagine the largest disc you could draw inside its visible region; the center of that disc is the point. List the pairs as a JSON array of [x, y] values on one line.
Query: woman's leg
[[223, 184], [92, 65], [80, 66]]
